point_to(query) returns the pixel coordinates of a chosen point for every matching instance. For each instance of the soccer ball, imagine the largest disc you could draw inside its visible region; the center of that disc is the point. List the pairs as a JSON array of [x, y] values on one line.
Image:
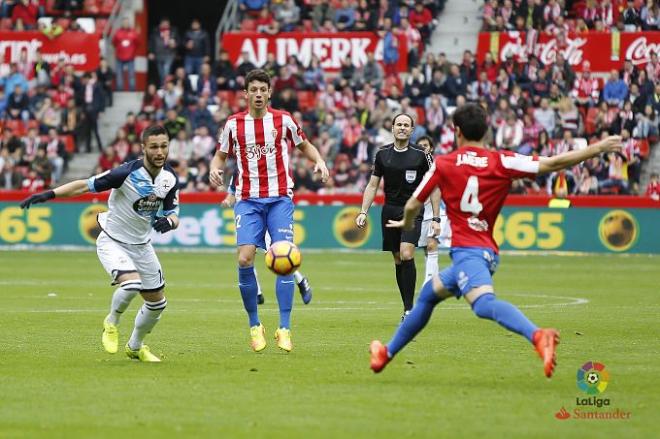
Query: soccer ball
[[283, 258], [592, 378]]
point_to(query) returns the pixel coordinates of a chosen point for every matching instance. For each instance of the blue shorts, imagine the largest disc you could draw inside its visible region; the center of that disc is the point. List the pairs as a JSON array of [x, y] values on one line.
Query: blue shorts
[[471, 267], [256, 215]]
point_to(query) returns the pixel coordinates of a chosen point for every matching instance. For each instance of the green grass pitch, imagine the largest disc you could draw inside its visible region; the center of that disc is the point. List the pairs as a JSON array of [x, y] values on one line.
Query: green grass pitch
[[462, 377]]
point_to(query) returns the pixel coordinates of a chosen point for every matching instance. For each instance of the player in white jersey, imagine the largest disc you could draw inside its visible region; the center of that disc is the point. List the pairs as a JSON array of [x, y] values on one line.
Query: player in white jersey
[[144, 196], [429, 239]]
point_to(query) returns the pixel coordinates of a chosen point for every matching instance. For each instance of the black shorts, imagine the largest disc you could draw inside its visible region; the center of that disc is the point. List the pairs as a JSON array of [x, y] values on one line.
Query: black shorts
[[393, 237]]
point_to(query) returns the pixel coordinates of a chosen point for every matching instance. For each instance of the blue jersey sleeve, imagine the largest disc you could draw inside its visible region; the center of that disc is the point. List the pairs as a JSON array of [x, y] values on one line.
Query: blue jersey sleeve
[[109, 179]]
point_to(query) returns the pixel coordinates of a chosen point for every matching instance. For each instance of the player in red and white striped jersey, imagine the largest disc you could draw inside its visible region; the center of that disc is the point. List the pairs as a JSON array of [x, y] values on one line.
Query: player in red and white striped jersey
[[260, 138], [474, 182]]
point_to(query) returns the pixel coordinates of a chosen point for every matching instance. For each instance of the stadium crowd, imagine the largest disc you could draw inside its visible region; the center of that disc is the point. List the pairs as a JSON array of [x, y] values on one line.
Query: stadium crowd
[[534, 108]]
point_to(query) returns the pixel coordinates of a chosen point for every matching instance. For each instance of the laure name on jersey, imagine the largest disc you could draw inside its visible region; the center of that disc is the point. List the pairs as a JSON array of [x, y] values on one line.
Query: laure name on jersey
[[470, 158]]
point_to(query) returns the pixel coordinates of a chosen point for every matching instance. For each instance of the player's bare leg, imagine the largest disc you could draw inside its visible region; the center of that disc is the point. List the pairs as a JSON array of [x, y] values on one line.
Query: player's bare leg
[[129, 285], [486, 306], [432, 293], [145, 321]]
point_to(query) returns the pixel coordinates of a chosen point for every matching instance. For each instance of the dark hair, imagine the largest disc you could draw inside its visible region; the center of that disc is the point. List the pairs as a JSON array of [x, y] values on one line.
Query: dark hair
[[412, 121], [154, 130], [257, 75], [427, 138], [471, 119]]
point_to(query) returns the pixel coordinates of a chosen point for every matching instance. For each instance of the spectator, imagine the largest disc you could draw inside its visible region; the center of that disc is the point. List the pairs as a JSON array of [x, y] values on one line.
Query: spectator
[[174, 123], [421, 18], [105, 75], [152, 104], [56, 154], [171, 96], [199, 115], [633, 158], [181, 148], [647, 125], [510, 133], [197, 47], [207, 84], [49, 116], [653, 188], [345, 15], [92, 103], [545, 116], [24, 15], [40, 172], [265, 23], [413, 41], [18, 104], [224, 72], [287, 14], [314, 75], [455, 85], [203, 144], [31, 143], [251, 7], [163, 45], [390, 47], [615, 90], [121, 145], [13, 79], [125, 41], [108, 160], [631, 17], [616, 175], [71, 121]]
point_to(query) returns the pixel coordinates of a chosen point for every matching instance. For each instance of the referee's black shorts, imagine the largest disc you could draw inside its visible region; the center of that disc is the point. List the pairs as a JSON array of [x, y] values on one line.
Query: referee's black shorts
[[393, 237]]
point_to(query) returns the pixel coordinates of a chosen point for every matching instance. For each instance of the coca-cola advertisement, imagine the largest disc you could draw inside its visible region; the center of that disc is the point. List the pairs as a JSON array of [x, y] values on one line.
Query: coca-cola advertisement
[[77, 48], [605, 51], [330, 48]]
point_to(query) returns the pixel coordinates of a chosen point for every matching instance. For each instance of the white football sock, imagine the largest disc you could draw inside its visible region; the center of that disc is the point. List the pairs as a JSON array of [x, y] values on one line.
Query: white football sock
[[146, 319], [121, 298], [298, 276], [431, 265]]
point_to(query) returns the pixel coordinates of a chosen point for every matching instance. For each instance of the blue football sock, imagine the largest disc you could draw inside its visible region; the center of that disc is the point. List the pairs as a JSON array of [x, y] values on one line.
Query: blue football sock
[[247, 283], [507, 315], [416, 320], [284, 293]]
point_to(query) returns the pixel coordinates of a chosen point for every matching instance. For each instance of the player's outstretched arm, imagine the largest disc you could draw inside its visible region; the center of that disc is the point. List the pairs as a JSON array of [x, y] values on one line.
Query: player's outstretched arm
[[71, 189], [367, 200], [571, 158], [216, 171], [410, 212], [314, 155]]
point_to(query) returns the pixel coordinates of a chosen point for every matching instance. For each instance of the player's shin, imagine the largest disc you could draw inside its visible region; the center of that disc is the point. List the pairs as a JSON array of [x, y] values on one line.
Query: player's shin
[[247, 283], [146, 319], [284, 292], [416, 320], [121, 298], [504, 313]]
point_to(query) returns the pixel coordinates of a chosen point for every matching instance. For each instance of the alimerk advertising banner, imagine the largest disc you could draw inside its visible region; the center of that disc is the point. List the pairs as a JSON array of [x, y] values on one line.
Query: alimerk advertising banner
[[330, 48], [77, 48], [205, 225], [604, 50]]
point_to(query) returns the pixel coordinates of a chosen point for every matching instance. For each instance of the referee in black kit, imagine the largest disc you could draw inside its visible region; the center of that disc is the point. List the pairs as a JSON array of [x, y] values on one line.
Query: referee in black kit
[[402, 166]]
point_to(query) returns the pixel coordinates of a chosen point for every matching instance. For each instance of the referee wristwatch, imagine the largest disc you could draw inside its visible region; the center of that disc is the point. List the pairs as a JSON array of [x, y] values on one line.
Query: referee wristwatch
[[436, 219]]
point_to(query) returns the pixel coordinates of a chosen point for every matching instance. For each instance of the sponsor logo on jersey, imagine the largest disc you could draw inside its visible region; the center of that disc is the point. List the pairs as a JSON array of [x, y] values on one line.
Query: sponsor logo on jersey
[[255, 151], [471, 158], [411, 175], [147, 206]]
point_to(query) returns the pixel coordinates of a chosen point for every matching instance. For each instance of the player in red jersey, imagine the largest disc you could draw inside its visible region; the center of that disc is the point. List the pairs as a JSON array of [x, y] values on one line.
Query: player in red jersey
[[260, 139], [474, 182]]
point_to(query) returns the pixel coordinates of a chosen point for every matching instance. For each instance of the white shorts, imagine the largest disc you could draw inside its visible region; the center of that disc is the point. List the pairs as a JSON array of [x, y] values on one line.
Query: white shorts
[[443, 238], [118, 258]]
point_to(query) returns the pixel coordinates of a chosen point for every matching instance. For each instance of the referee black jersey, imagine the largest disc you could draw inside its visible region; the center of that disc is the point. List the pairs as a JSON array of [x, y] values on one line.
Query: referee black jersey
[[401, 170]]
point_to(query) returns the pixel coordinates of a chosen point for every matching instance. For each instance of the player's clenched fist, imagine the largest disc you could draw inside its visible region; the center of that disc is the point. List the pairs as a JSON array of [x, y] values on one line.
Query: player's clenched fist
[[216, 177], [361, 220]]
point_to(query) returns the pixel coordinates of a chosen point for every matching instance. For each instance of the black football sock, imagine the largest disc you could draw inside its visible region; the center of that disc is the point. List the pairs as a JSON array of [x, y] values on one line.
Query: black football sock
[[408, 280], [399, 279]]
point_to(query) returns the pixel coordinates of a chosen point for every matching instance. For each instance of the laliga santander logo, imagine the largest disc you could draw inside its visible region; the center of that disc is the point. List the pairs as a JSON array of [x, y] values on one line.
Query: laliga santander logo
[[639, 51], [592, 378], [546, 52]]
